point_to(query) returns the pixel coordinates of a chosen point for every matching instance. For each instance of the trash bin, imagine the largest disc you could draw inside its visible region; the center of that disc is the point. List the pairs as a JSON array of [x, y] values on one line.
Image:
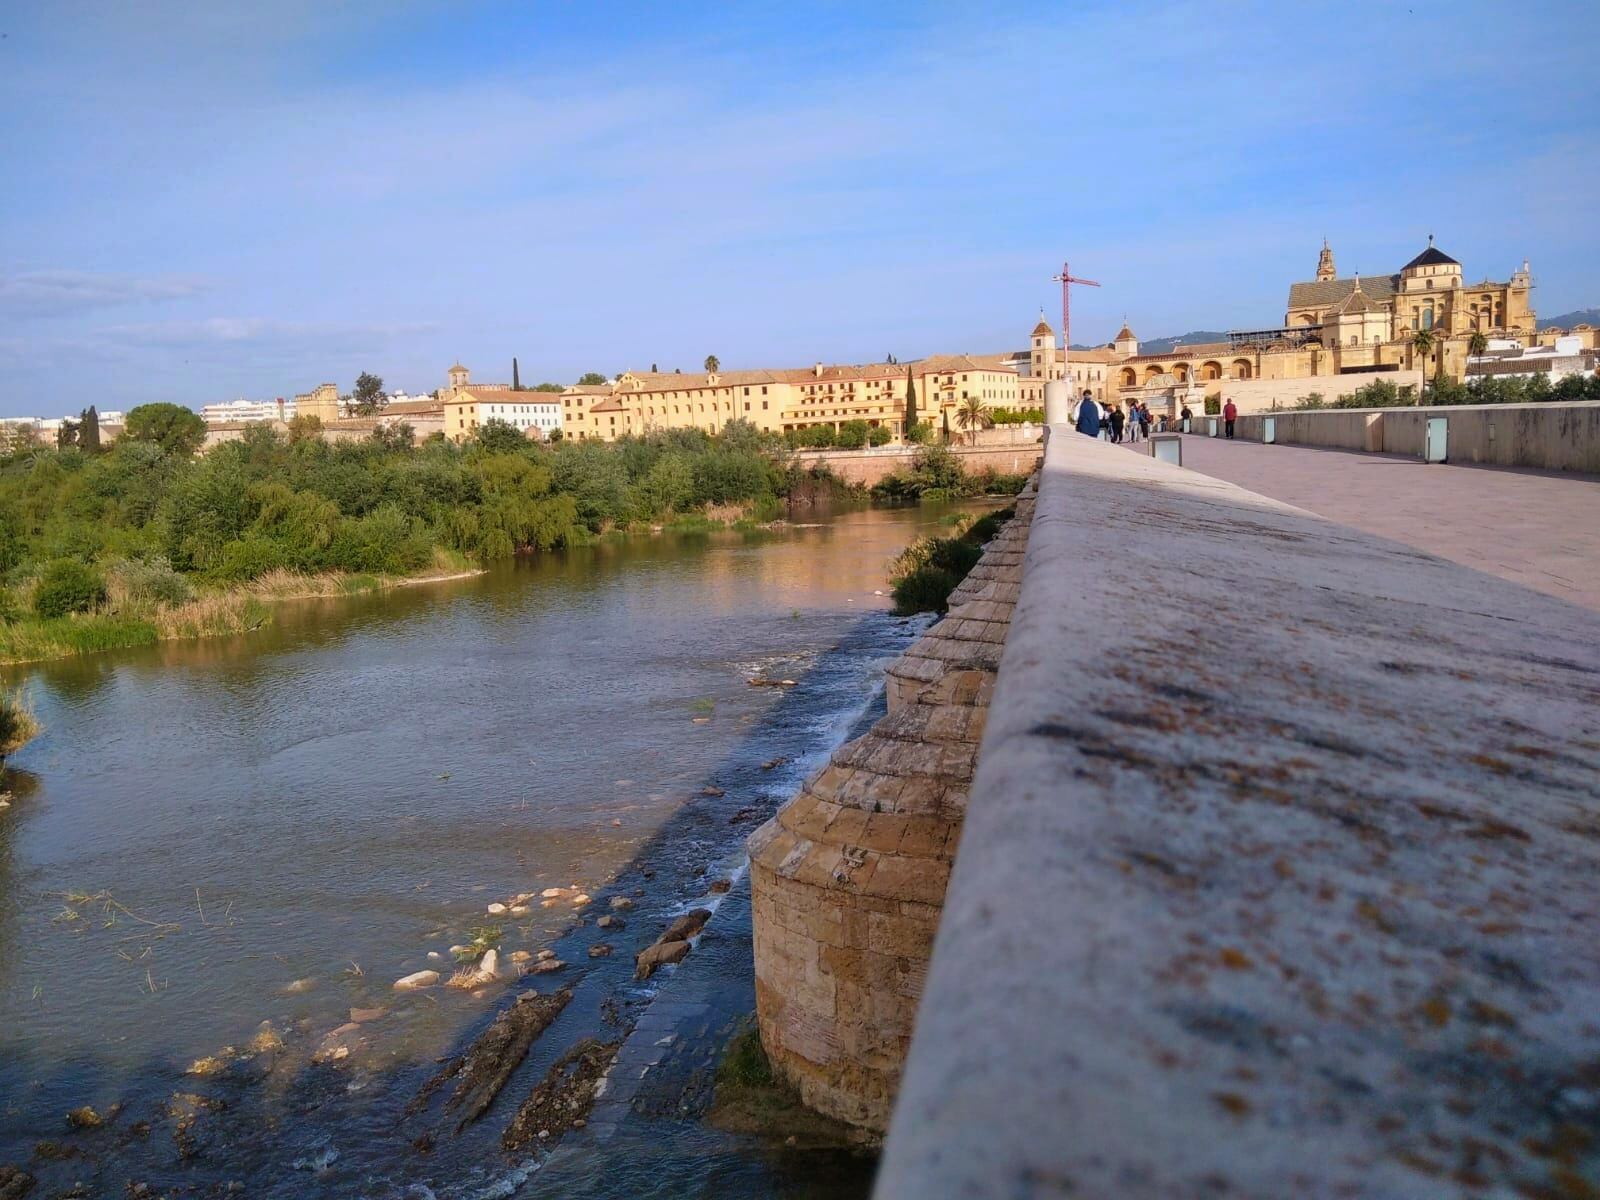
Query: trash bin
[[1167, 447]]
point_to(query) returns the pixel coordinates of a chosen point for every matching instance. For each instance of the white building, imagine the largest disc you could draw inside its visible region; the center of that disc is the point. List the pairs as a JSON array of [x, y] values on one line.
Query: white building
[[1508, 357], [248, 410], [521, 410]]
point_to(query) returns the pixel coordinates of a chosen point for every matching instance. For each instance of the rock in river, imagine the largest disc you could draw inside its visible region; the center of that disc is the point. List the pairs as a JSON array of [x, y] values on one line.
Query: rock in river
[[658, 955], [417, 979]]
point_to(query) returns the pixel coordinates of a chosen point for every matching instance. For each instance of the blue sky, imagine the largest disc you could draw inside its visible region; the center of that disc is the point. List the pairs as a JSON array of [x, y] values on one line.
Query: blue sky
[[210, 200]]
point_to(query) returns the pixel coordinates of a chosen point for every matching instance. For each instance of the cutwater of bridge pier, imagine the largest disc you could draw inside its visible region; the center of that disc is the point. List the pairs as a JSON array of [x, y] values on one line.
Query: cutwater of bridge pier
[[1230, 851]]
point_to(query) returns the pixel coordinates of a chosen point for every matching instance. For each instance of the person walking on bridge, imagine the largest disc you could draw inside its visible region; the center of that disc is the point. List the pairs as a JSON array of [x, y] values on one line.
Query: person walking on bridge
[[1117, 420], [1087, 419], [1230, 414]]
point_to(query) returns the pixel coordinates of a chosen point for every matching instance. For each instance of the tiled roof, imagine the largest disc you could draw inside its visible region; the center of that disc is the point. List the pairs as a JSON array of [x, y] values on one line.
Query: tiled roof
[[1124, 333], [490, 395], [1042, 328], [1324, 293], [1431, 257], [1356, 301]]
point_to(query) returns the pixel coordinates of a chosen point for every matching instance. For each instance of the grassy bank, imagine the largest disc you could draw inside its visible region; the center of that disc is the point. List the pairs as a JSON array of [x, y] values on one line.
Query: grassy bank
[[213, 612]]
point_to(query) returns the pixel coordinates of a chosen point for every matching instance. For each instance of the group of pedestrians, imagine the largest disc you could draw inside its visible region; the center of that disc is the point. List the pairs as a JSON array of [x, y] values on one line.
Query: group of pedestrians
[[1110, 422]]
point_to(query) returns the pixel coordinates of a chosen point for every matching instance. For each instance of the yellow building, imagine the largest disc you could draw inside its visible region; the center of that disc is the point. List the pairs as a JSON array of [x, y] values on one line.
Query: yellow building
[[469, 406], [782, 400]]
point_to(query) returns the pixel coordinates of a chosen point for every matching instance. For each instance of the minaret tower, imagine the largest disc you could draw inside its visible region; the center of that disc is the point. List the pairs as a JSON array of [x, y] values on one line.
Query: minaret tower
[[1325, 269]]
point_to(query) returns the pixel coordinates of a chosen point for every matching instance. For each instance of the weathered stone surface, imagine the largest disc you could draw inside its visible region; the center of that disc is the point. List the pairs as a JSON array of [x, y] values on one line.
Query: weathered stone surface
[[417, 979], [1317, 848], [848, 877]]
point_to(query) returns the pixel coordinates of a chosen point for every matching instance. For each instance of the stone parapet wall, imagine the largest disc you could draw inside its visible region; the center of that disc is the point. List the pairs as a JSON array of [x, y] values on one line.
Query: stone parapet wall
[[1293, 898], [1548, 436], [848, 879]]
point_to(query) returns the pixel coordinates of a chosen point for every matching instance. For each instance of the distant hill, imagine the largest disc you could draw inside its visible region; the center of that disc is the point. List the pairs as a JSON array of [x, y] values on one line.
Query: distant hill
[[1164, 345], [1582, 316]]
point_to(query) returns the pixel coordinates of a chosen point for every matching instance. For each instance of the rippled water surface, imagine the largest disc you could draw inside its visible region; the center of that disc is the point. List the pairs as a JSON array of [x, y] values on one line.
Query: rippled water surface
[[272, 828]]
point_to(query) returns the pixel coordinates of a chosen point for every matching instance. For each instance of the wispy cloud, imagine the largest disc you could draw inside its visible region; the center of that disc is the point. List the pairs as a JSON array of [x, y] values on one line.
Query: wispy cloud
[[37, 294]]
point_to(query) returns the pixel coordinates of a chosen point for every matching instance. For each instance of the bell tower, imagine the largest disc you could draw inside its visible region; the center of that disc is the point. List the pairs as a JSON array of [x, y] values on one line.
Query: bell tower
[[1325, 270], [1042, 356]]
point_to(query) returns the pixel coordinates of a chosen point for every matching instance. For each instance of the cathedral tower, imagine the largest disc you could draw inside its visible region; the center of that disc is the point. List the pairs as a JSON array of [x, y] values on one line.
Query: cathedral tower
[[1325, 269]]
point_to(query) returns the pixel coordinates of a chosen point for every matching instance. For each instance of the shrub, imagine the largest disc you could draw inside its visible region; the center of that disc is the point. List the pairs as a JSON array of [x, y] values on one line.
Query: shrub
[[878, 435], [926, 589], [18, 726], [151, 580], [955, 555], [920, 434], [1213, 405], [68, 586]]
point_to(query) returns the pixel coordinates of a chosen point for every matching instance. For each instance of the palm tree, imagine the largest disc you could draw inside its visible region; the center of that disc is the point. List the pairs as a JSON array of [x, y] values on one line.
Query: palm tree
[[713, 364], [973, 416], [1422, 342], [1477, 343]]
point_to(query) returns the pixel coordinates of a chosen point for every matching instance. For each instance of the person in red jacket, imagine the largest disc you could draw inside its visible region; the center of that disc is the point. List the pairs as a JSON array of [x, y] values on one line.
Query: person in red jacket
[[1230, 414]]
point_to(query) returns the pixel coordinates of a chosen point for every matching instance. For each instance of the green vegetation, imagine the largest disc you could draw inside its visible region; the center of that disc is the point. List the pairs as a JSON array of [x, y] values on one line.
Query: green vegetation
[[145, 540], [927, 571], [973, 416], [67, 586], [1017, 416], [591, 379], [937, 474], [172, 427], [1489, 389]]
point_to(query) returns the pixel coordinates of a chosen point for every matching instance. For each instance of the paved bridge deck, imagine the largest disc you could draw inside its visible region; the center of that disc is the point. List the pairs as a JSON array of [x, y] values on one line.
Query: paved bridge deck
[[1537, 528]]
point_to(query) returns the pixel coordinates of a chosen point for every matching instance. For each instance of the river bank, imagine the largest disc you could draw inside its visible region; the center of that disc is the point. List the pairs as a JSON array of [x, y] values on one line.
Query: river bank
[[213, 612]]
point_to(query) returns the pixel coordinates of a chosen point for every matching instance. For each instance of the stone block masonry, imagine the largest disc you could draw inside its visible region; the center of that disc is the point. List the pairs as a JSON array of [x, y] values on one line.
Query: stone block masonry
[[1291, 892], [848, 879]]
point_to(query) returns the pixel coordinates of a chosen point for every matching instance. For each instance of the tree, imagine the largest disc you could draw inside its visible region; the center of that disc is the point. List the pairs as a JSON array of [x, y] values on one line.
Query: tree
[[549, 387], [66, 433], [516, 379], [89, 429], [303, 426], [911, 404], [500, 437], [176, 429], [852, 435], [946, 415], [368, 397], [1477, 343], [1422, 342], [973, 416], [878, 435], [713, 364], [591, 379]]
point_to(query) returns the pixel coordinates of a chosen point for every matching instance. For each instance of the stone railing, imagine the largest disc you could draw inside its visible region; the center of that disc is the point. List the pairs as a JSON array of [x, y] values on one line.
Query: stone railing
[[1550, 436], [1277, 874]]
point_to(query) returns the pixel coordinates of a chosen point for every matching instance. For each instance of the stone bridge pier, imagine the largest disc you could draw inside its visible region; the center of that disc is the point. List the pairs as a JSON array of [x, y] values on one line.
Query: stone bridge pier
[[1211, 850]]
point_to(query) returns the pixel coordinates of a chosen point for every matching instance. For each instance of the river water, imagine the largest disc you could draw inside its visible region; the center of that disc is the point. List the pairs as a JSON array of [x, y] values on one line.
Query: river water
[[248, 838]]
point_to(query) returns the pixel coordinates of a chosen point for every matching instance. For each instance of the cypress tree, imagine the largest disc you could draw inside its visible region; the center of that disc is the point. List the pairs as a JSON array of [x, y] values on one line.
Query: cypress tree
[[947, 428], [89, 429], [516, 379], [911, 404]]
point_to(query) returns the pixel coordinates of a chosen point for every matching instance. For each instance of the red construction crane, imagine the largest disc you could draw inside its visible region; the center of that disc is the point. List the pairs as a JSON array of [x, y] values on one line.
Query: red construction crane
[[1066, 279]]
